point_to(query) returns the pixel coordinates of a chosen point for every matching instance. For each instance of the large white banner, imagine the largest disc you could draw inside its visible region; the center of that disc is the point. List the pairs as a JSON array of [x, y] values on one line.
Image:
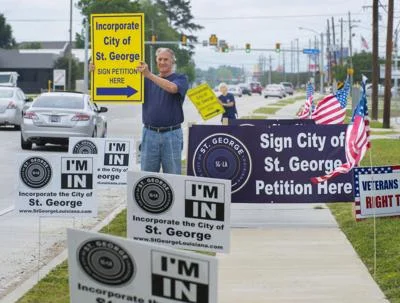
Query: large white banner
[[114, 157], [55, 185], [377, 191], [109, 269], [180, 211]]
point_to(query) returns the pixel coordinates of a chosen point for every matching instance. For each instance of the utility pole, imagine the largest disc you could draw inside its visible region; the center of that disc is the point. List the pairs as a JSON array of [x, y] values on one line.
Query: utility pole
[[298, 63], [375, 56], [70, 47], [388, 67], [270, 70], [321, 67], [329, 52], [350, 52], [334, 42], [341, 41]]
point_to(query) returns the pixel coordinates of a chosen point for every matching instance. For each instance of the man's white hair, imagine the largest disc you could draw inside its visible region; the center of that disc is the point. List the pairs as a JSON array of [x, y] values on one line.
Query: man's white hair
[[168, 50], [221, 85]]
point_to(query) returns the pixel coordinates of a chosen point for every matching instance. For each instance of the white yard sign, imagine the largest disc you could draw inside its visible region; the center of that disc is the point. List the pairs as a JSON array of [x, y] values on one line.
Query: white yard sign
[[114, 156], [109, 269], [181, 211], [59, 77], [55, 185], [377, 191]]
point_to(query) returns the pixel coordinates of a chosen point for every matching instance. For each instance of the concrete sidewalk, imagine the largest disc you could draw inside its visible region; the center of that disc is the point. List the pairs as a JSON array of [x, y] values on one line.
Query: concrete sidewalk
[[297, 255]]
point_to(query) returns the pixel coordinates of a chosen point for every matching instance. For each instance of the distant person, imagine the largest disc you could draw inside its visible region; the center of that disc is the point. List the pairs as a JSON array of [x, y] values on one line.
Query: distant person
[[227, 100], [162, 115]]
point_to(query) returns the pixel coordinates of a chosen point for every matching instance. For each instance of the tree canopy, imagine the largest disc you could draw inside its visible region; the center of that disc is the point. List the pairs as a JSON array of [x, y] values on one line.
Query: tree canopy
[[6, 37]]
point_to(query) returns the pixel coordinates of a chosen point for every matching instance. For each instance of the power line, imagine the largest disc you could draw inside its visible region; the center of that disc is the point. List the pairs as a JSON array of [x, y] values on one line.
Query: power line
[[273, 16]]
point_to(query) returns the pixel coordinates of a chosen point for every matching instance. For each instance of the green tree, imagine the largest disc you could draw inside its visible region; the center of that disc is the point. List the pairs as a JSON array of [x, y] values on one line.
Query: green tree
[[89, 7], [6, 38], [180, 17]]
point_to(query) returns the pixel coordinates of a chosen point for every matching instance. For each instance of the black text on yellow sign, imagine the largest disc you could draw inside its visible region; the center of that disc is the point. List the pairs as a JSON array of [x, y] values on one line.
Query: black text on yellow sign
[[205, 101], [117, 49]]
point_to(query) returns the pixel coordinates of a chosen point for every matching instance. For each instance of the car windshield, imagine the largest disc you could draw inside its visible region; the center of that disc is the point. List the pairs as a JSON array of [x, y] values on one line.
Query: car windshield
[[5, 78], [6, 93], [71, 102]]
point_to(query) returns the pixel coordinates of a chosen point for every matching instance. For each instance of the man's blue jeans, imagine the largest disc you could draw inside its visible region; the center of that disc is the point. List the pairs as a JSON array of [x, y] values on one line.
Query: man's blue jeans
[[162, 150]]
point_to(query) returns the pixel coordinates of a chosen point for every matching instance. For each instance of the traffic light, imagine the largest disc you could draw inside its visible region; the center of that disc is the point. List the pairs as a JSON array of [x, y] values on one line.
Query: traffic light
[[248, 47], [277, 47], [184, 40], [153, 38], [213, 40]]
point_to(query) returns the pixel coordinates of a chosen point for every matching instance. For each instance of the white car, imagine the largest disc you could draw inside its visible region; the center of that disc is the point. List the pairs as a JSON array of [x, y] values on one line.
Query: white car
[[235, 90], [274, 90], [381, 90], [53, 117], [12, 102]]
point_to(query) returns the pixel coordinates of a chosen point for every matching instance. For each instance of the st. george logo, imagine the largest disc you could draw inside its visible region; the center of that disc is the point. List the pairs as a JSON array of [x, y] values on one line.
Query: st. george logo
[[106, 262], [153, 195], [84, 147], [35, 172], [223, 156]]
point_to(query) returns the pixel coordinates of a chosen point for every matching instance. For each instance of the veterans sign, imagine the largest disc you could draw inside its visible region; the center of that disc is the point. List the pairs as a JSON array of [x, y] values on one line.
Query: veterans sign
[[113, 156], [117, 49], [180, 211], [205, 100], [56, 185], [272, 165], [377, 191], [109, 269]]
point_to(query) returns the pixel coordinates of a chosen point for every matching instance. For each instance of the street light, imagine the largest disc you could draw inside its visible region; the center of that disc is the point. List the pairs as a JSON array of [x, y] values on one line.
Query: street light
[[321, 59]]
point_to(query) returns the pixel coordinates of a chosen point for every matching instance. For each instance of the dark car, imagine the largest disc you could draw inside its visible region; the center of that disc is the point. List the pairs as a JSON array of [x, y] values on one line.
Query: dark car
[[246, 90], [256, 87]]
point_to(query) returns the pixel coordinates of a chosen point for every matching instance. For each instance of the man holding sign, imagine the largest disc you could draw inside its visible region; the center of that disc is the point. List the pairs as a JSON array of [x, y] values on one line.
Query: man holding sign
[[162, 115]]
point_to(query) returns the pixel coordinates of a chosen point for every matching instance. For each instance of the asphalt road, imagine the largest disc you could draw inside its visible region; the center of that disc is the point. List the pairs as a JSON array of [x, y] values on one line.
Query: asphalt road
[[29, 242]]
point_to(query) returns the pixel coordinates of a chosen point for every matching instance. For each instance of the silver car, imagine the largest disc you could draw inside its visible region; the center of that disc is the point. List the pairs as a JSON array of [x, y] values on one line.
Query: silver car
[[53, 117], [12, 101]]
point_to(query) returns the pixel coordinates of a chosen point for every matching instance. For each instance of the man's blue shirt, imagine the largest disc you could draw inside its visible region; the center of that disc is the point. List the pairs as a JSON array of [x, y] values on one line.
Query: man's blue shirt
[[161, 108], [230, 112]]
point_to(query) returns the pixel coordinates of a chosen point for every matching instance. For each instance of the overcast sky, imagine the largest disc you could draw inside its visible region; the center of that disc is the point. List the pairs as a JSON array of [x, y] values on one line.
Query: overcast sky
[[262, 23]]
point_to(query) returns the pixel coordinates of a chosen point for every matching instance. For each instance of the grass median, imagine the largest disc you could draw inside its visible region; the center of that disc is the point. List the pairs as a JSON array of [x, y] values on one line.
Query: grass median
[[54, 287]]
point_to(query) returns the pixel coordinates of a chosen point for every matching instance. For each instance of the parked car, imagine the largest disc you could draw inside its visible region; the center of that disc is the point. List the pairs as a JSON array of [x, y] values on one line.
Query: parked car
[[246, 90], [274, 90], [235, 90], [256, 88], [53, 117], [381, 90], [12, 102], [288, 86]]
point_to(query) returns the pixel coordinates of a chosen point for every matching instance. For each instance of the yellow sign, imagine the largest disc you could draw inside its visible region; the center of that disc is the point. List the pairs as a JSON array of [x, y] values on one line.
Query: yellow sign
[[205, 101], [213, 40], [117, 49]]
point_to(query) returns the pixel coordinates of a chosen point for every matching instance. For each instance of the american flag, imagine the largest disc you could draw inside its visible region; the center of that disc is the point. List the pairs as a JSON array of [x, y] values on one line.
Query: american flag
[[364, 43], [332, 109], [357, 140], [308, 105]]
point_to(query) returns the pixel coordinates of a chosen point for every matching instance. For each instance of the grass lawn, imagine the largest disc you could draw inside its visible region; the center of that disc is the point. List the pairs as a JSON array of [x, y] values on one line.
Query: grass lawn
[[360, 234]]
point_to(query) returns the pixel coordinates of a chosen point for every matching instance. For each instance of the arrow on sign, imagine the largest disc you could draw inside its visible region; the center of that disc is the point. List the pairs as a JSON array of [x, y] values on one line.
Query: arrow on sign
[[116, 91]]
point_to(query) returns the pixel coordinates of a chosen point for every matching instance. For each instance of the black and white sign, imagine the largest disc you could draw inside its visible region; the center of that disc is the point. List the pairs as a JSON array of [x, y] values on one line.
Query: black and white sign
[[114, 156], [109, 269], [180, 211], [55, 185]]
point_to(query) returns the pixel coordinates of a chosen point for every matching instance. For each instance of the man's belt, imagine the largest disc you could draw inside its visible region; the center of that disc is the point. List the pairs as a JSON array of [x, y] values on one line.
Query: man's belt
[[162, 129]]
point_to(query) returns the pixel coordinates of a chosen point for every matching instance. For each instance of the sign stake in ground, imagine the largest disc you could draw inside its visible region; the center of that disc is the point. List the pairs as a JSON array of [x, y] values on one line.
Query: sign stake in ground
[[117, 49]]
